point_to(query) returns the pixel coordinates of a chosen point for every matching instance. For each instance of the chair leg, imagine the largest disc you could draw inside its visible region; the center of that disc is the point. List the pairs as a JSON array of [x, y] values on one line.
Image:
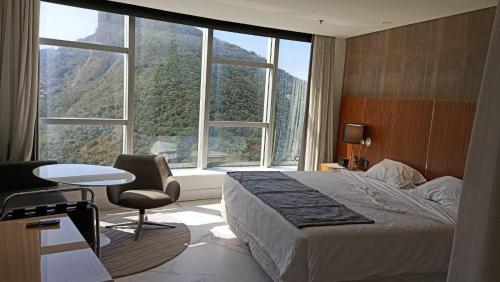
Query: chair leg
[[139, 224], [143, 220], [121, 224], [158, 224]]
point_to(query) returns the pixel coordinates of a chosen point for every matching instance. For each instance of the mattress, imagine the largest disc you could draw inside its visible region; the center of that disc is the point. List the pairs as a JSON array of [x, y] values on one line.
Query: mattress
[[411, 235]]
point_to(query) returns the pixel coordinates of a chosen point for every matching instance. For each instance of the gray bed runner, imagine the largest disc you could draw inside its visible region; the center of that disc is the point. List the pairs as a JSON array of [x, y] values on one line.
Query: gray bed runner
[[298, 203]]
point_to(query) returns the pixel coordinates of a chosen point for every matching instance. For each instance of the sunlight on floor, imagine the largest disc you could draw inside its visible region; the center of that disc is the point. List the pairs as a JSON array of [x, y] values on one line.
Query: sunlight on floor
[[215, 207], [223, 232], [214, 254], [195, 218]]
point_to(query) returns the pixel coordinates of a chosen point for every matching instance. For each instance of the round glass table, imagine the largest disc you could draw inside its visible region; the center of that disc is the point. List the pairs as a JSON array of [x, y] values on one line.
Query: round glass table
[[84, 175]]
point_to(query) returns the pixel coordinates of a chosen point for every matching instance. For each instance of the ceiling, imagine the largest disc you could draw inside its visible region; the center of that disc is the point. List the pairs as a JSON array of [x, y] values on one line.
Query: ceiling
[[341, 18]]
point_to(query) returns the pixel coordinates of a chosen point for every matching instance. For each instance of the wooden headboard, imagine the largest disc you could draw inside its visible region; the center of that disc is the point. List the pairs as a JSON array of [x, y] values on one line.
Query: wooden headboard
[[431, 136]]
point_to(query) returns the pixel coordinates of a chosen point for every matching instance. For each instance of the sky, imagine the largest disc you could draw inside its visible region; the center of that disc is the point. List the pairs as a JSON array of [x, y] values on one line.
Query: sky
[[69, 23]]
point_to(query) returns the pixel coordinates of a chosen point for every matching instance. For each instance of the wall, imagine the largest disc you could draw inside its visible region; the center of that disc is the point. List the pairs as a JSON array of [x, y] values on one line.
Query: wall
[[415, 87], [439, 59]]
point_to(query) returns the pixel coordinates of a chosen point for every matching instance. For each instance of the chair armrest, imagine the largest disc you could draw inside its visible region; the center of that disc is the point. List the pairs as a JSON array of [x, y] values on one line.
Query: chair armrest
[[172, 188]]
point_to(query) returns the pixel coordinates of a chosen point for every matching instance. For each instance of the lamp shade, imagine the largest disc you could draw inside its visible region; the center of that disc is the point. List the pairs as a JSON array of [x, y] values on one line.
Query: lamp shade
[[353, 133]]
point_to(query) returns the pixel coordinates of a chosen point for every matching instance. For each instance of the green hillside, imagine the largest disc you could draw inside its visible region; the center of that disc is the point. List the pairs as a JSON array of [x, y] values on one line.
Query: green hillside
[[89, 84]]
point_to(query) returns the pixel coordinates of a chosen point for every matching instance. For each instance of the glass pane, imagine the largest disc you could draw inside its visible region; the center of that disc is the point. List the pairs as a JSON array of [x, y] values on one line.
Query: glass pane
[[168, 75], [237, 93], [234, 146], [87, 144], [238, 46], [80, 83], [83, 25], [293, 71]]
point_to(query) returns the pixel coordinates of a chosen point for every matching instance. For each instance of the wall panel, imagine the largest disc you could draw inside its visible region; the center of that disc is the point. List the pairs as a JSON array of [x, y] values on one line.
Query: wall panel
[[449, 142], [441, 59], [379, 116], [416, 88], [409, 138], [431, 136]]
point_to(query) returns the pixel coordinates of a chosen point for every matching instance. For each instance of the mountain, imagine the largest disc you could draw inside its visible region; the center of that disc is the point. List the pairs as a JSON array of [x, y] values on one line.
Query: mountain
[[89, 84]]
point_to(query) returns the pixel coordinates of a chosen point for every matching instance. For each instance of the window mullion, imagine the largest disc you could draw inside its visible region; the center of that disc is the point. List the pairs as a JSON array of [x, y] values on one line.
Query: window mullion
[[270, 100], [242, 124], [82, 45], [242, 63], [129, 86], [82, 121], [206, 74]]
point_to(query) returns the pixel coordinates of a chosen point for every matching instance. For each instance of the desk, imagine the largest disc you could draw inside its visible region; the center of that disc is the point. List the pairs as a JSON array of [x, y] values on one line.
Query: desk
[[85, 175], [47, 254]]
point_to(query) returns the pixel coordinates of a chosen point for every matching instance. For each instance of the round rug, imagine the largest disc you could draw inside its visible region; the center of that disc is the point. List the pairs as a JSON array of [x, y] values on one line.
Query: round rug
[[124, 256]]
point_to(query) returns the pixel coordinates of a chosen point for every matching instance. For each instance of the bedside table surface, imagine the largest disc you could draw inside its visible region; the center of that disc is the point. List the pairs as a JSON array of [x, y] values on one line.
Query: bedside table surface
[[330, 166]]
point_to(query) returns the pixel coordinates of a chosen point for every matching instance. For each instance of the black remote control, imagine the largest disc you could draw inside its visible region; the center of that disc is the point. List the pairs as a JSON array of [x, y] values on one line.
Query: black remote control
[[43, 223]]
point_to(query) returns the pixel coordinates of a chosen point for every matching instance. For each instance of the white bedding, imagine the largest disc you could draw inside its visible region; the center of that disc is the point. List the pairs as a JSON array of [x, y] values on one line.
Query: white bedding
[[410, 234]]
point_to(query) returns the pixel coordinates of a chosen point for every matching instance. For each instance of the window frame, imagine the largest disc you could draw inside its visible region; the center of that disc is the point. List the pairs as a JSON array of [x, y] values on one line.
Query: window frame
[[208, 60], [128, 51], [267, 124]]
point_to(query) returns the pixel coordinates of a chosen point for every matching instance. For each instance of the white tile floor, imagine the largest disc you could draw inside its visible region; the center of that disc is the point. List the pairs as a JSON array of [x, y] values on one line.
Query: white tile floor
[[215, 253]]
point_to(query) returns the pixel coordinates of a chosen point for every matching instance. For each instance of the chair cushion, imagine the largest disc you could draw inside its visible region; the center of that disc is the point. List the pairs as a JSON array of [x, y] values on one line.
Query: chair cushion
[[143, 199], [32, 200]]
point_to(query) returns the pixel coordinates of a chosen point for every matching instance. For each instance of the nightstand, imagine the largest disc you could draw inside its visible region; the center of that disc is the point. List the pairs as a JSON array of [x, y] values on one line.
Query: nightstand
[[330, 167]]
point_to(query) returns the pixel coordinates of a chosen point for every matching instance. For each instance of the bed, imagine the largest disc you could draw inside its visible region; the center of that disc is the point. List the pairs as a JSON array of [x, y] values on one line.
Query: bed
[[410, 240]]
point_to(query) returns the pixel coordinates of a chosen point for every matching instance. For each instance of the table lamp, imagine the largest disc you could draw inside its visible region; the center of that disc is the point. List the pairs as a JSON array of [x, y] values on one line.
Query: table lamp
[[354, 134]]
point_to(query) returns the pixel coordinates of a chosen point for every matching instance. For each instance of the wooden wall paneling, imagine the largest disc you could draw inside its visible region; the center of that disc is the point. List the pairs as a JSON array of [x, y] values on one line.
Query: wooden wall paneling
[[378, 116], [351, 111], [450, 75], [440, 59], [410, 132], [419, 66], [449, 142]]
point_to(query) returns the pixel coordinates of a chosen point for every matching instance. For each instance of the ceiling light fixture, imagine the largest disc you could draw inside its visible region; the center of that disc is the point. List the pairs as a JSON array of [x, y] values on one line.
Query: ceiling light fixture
[[321, 21]]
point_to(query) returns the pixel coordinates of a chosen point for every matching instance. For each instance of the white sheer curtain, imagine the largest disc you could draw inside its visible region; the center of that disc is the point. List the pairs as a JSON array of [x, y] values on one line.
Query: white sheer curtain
[[18, 77], [327, 67], [476, 248]]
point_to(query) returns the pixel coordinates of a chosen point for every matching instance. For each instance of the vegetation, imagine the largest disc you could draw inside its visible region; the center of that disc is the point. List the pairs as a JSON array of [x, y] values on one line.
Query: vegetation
[[89, 84]]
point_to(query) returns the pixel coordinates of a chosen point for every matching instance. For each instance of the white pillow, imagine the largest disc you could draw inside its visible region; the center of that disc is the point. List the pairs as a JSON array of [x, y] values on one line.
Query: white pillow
[[396, 174], [444, 190]]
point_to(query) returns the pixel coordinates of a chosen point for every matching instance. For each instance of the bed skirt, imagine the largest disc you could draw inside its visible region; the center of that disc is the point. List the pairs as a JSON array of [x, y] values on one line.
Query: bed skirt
[[258, 253]]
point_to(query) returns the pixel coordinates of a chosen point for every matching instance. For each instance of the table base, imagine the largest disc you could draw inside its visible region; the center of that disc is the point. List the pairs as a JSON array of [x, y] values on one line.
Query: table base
[[105, 240]]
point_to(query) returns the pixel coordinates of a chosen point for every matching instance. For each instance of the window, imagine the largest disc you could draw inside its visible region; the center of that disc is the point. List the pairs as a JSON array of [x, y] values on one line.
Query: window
[[237, 93], [291, 93], [234, 146], [167, 91], [67, 23], [82, 84], [112, 84], [241, 47], [91, 144]]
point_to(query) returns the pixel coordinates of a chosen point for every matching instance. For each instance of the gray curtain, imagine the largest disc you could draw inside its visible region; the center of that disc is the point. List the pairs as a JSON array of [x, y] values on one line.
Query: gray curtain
[[476, 248], [327, 67], [18, 77]]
